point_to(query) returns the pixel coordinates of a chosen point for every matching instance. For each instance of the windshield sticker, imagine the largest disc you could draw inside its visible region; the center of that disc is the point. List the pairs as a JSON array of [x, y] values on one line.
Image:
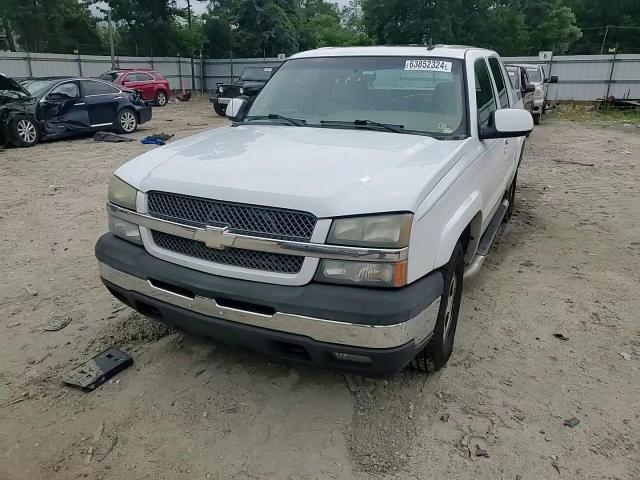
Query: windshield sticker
[[428, 65]]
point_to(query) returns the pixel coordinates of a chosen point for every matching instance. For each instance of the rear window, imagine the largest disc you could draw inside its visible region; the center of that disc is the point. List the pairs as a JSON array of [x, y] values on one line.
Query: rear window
[[97, 88], [109, 76]]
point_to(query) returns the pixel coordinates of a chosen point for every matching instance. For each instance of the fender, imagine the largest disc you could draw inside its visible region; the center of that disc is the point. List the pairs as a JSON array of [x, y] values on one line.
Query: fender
[[467, 213]]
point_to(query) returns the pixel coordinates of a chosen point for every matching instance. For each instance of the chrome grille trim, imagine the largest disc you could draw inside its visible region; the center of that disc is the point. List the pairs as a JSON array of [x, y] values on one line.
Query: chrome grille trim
[[242, 219], [236, 257], [304, 249]]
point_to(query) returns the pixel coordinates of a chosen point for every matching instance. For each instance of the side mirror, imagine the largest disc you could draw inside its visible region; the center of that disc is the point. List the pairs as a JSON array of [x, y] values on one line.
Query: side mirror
[[551, 79], [529, 87], [507, 123], [237, 109]]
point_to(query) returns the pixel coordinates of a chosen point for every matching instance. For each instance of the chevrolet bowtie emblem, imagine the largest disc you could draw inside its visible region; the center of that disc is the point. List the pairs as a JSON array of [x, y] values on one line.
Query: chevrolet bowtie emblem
[[215, 237]]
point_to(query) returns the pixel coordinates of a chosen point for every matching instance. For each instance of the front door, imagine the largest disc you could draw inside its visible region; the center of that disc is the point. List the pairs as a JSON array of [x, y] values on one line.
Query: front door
[[63, 111], [142, 82], [102, 102], [494, 149]]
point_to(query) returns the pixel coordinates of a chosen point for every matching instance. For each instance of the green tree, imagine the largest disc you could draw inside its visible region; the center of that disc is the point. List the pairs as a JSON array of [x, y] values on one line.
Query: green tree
[[145, 26], [56, 26], [557, 31], [623, 17]]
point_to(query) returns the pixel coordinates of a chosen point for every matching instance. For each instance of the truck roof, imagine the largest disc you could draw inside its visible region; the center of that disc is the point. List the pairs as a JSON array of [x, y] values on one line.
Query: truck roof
[[451, 51]]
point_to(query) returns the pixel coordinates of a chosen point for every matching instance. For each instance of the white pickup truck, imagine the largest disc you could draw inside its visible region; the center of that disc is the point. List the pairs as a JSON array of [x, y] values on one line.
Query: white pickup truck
[[335, 221]]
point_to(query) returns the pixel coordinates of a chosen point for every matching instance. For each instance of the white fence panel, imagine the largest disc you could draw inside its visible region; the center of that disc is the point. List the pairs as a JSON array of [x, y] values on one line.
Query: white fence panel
[[581, 77]]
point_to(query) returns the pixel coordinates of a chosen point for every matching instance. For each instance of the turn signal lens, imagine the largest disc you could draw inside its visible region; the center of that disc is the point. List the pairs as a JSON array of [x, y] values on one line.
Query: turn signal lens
[[370, 274]]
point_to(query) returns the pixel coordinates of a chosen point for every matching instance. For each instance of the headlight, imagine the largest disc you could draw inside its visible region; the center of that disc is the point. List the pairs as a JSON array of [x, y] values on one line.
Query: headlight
[[366, 274], [122, 194], [125, 230], [220, 89], [241, 91], [385, 231]]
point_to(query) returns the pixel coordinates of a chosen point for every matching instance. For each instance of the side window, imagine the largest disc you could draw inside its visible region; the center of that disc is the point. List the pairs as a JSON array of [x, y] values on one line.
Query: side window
[[69, 90], [498, 78], [143, 77], [91, 87], [484, 92], [129, 77]]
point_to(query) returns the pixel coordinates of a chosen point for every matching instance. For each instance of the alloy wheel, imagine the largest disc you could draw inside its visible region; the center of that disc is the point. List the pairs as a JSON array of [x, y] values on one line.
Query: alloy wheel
[[128, 122], [448, 314], [27, 131]]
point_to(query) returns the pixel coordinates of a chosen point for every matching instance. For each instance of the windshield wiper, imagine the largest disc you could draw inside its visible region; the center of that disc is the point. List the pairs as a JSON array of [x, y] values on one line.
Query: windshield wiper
[[274, 116], [366, 123]]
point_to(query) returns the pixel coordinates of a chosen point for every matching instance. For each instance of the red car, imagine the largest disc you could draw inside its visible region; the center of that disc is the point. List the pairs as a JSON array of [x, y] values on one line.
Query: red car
[[151, 84]]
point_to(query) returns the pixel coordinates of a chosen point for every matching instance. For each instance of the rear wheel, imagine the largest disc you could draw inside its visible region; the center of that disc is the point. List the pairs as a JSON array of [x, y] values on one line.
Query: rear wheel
[[24, 131], [161, 98], [438, 351], [220, 109], [126, 122]]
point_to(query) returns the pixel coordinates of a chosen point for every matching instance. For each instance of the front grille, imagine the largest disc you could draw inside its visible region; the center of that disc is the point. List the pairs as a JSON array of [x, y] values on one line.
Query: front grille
[[240, 218], [270, 262]]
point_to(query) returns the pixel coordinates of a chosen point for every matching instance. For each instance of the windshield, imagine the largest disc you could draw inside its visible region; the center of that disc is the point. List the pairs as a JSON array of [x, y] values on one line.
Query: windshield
[[109, 76], [534, 75], [35, 87], [514, 77], [259, 74], [420, 96]]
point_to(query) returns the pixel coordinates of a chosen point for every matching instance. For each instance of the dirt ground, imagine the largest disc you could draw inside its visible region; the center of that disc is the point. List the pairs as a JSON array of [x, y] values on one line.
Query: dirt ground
[[567, 264]]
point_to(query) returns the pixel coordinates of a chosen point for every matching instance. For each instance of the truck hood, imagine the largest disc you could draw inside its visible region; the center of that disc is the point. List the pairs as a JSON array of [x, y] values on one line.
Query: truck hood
[[328, 172]]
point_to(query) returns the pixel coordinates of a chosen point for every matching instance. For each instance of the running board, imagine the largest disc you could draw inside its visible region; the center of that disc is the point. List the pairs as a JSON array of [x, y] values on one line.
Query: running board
[[486, 241]]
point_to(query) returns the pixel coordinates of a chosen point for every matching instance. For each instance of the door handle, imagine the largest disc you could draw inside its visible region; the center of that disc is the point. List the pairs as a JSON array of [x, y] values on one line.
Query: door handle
[[80, 103], [506, 141]]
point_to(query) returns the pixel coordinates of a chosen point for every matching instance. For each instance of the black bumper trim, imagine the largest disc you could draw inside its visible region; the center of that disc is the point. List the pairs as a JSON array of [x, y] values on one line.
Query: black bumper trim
[[366, 306], [280, 345]]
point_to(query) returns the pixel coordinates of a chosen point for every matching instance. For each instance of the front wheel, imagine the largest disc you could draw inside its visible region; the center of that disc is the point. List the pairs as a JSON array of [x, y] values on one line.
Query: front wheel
[[220, 110], [126, 122], [438, 351], [24, 131], [536, 119]]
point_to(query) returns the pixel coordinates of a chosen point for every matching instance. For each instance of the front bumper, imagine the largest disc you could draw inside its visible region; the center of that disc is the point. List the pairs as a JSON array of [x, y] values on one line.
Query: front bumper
[[320, 324], [144, 113]]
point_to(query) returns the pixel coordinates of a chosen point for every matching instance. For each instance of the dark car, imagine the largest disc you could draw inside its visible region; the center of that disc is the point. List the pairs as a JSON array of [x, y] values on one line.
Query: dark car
[[153, 86], [251, 82], [43, 109]]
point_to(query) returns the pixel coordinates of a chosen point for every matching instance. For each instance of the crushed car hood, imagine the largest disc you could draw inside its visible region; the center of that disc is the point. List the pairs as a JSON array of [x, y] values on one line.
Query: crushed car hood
[[7, 83], [328, 172]]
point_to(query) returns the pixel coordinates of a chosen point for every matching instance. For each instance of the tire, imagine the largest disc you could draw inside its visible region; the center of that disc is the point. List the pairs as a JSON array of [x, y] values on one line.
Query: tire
[[438, 351], [536, 119], [511, 196], [220, 110], [24, 131], [127, 122], [161, 98]]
